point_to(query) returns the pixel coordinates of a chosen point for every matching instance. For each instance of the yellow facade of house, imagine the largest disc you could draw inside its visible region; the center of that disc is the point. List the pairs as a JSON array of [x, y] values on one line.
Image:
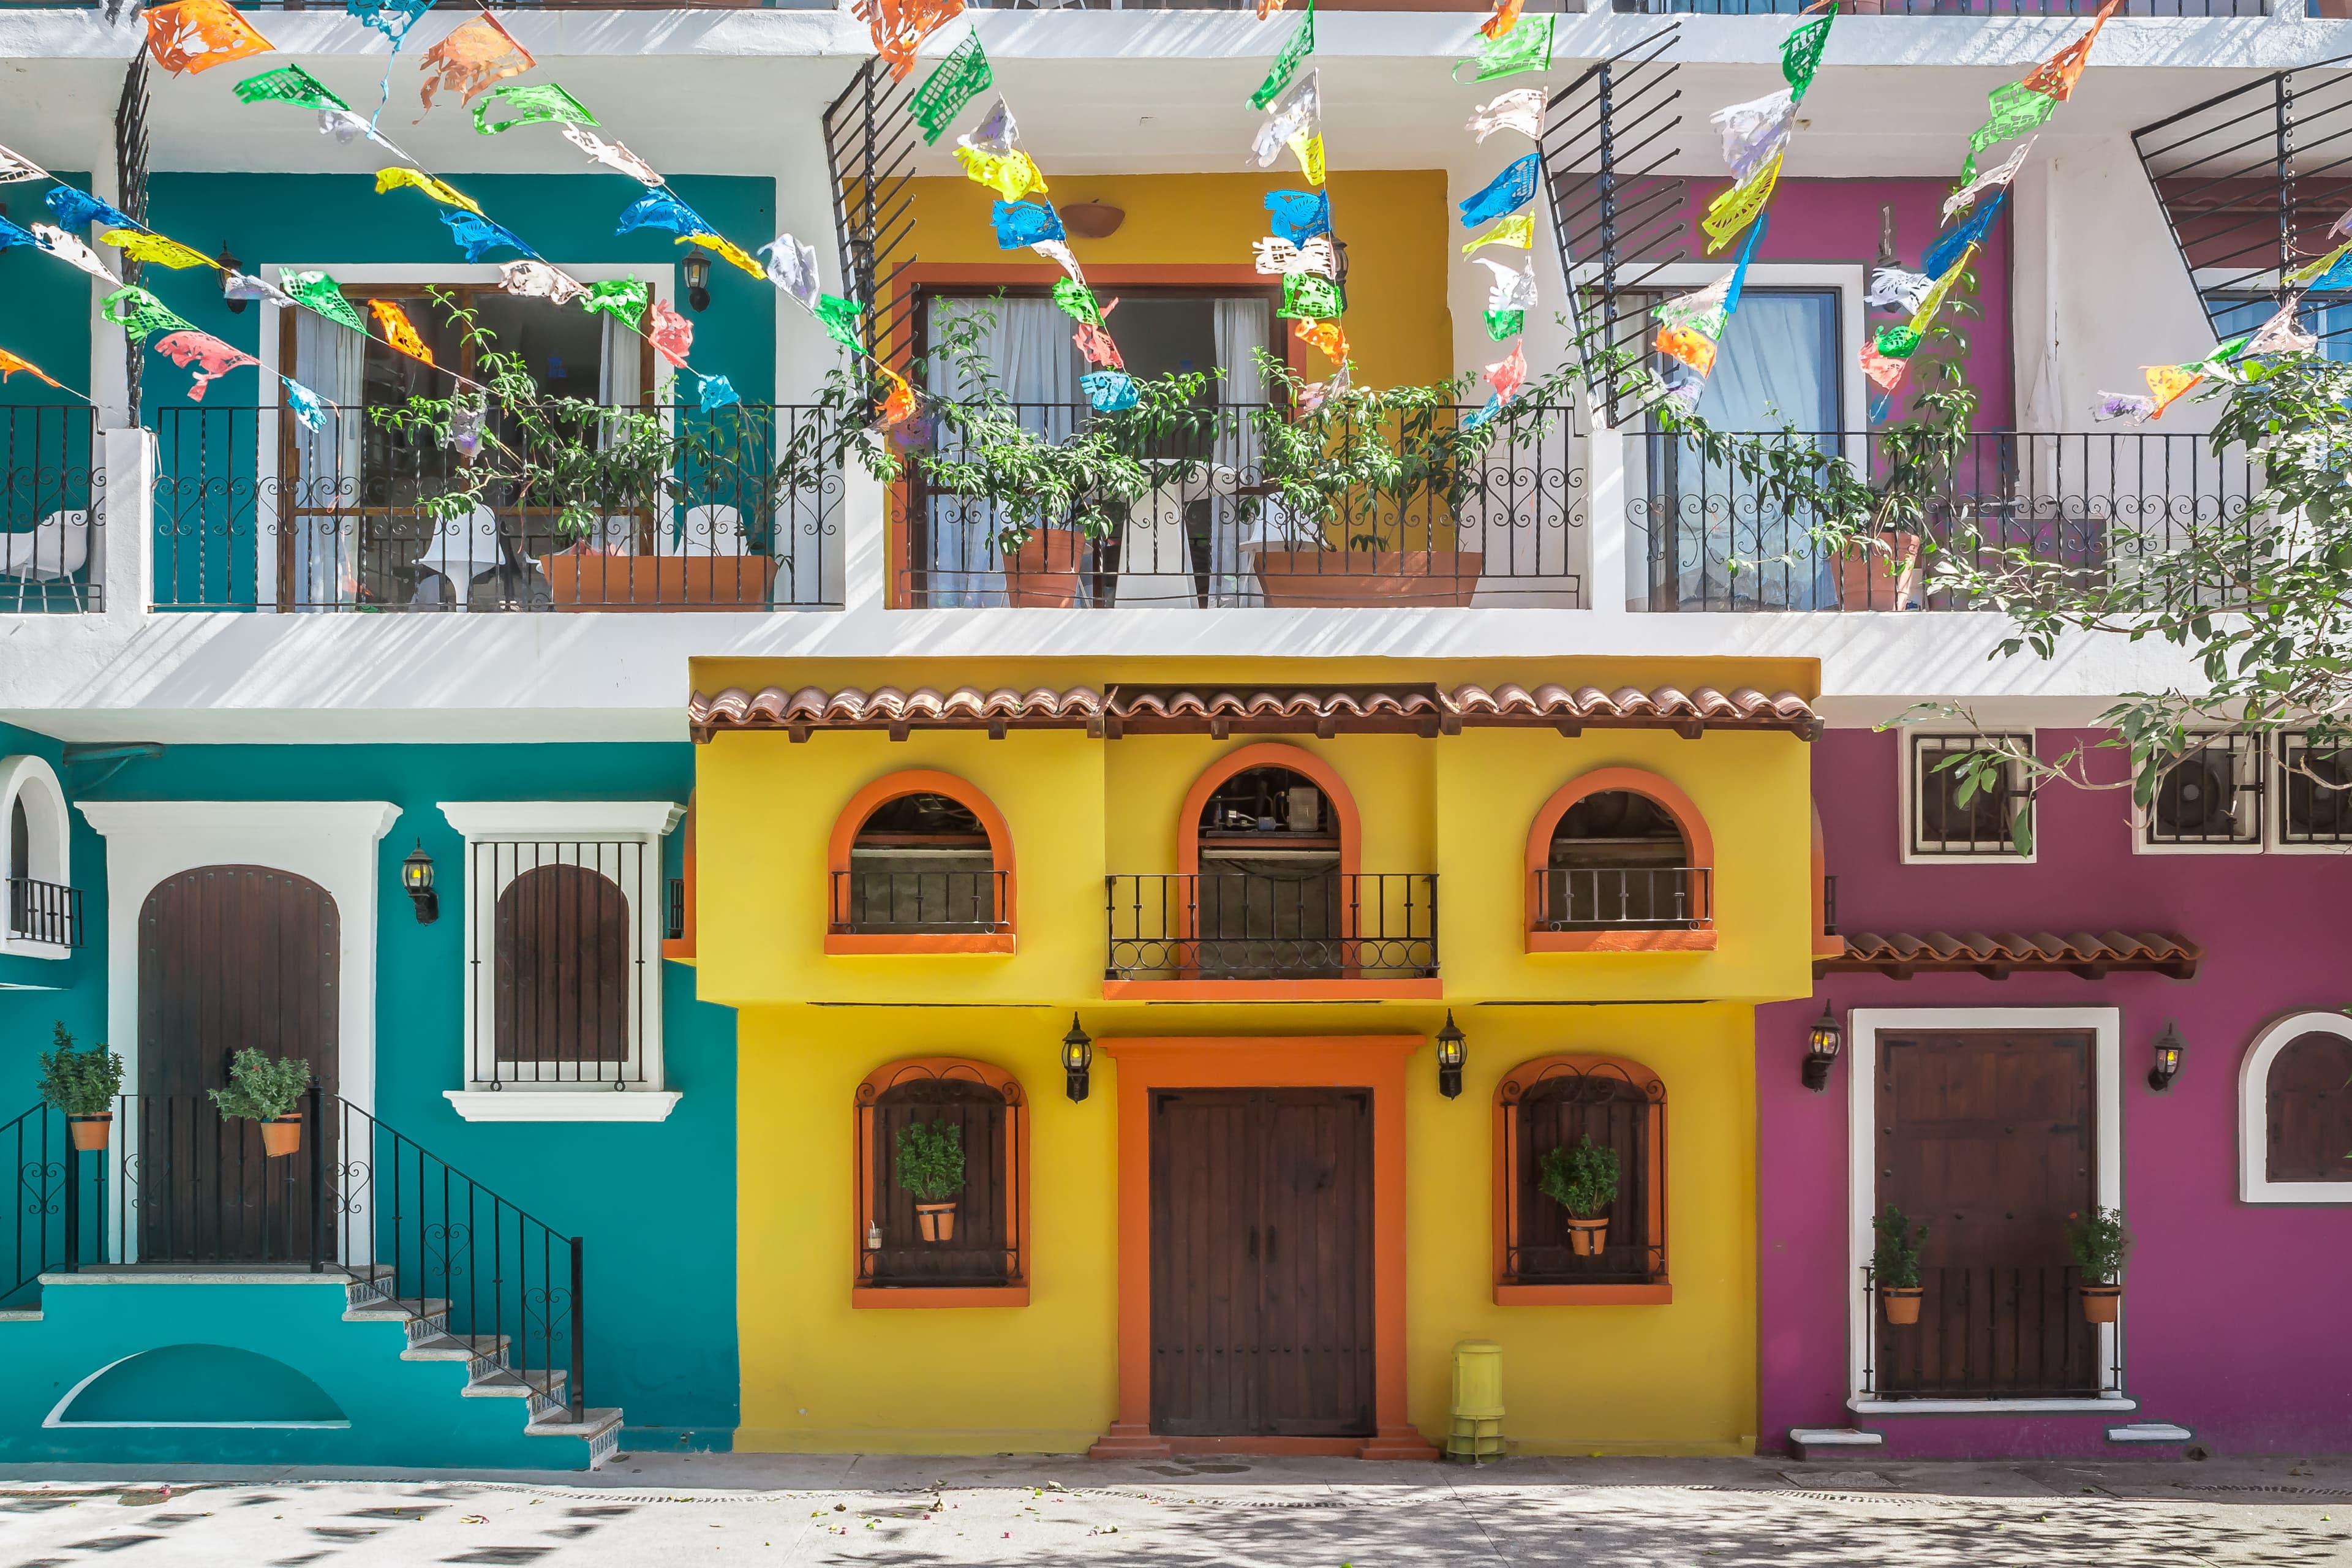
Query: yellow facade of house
[[827, 1367]]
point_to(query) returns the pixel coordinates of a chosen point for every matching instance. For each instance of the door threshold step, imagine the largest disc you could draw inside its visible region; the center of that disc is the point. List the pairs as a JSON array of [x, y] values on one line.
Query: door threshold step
[[2158, 1431], [1835, 1437]]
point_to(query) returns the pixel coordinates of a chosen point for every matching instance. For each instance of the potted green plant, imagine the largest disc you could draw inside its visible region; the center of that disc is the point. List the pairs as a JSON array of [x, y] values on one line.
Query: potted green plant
[[2099, 1242], [266, 1091], [929, 1165], [1583, 1181], [83, 1085], [1895, 1264]]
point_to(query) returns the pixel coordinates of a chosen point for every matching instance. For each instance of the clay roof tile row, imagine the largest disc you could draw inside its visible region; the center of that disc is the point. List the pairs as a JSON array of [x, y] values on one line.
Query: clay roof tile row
[[1903, 953]]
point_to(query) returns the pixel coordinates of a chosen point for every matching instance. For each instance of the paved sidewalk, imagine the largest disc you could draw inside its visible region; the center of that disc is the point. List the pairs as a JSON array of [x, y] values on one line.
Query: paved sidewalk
[[653, 1512]]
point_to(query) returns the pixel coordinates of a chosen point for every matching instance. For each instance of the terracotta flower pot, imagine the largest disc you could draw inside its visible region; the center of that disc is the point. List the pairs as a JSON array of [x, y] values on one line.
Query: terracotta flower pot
[[1587, 1237], [2100, 1302], [1296, 579], [586, 580], [1901, 1301], [1881, 573], [1043, 572], [935, 1222], [90, 1132], [281, 1134]]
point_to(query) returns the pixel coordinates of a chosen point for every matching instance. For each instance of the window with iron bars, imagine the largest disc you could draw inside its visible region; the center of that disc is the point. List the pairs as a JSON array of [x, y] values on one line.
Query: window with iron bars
[[1939, 824], [2211, 799]]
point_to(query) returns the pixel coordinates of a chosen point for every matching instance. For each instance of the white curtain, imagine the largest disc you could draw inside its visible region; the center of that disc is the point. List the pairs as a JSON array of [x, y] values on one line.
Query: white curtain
[[317, 504], [1028, 347], [1241, 327], [620, 382]]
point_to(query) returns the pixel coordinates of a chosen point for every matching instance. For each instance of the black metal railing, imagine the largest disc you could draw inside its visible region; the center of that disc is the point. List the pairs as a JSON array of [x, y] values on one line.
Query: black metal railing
[[179, 1184], [254, 511], [909, 901], [52, 483], [2108, 506], [1829, 906], [1988, 1333], [1307, 925], [44, 912], [1613, 898], [1943, 7], [674, 910], [561, 989], [1492, 515]]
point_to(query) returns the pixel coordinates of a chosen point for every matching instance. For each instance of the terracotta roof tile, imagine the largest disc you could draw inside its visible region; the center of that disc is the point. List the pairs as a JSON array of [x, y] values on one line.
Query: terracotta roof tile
[[1903, 954]]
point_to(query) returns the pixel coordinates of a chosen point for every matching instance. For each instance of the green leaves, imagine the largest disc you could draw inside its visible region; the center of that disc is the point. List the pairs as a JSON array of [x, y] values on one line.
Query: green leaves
[[79, 1083]]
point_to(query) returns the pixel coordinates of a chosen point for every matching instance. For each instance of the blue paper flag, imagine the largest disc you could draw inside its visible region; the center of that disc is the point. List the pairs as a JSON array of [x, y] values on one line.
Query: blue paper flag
[[1494, 406], [659, 209], [1299, 215], [1739, 269], [305, 403], [477, 236], [1027, 223], [1109, 391], [1507, 193], [717, 392], [1947, 249], [75, 209], [393, 19], [10, 234], [2338, 277]]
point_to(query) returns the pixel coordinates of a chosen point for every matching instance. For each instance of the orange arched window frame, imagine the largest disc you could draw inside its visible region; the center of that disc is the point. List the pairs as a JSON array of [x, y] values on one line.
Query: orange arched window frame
[[871, 799], [1014, 1292], [1697, 840], [1269, 754], [1508, 1093]]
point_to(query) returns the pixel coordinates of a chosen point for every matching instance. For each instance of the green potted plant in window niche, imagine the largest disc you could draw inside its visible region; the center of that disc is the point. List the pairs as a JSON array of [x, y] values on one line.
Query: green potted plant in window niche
[[929, 1165], [266, 1091], [1895, 1264], [83, 1085], [1583, 1181], [2099, 1242]]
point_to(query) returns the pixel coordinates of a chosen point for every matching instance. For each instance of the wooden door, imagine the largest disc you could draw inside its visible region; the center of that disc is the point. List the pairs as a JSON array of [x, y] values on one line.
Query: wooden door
[[229, 957], [1262, 1293], [1989, 1136]]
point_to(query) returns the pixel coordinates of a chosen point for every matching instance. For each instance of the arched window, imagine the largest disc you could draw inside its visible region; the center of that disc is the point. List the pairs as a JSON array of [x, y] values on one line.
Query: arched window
[[1268, 894], [1563, 1234], [2294, 1111], [920, 862], [565, 957], [1620, 859], [934, 1233], [43, 907]]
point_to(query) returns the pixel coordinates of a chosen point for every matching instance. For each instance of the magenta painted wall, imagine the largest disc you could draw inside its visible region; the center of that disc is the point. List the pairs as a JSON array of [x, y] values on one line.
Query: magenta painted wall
[[2235, 1314]]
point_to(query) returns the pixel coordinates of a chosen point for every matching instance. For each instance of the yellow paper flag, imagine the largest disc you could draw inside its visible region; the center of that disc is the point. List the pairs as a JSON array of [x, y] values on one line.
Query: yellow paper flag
[[1310, 157], [2165, 382], [153, 247], [1933, 300], [389, 179], [1520, 231], [1735, 209], [728, 251], [1010, 176]]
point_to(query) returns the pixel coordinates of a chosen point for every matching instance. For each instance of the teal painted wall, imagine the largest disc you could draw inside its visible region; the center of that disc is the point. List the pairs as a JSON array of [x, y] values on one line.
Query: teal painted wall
[[36, 994], [48, 437], [48, 320], [655, 1203]]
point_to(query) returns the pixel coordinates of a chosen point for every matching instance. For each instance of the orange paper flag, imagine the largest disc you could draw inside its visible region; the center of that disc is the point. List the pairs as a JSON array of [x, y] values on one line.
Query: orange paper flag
[[472, 59], [1690, 345], [1267, 7], [11, 363], [898, 26], [1329, 336], [2165, 382], [2057, 76], [197, 34], [898, 406], [398, 333], [1506, 18]]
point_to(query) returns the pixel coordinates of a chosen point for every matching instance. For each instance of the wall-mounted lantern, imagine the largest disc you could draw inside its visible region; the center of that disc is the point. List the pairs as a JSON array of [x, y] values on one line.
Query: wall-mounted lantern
[[1822, 1042], [1077, 1056], [1453, 1050], [417, 881], [696, 271], [2169, 1049], [227, 264]]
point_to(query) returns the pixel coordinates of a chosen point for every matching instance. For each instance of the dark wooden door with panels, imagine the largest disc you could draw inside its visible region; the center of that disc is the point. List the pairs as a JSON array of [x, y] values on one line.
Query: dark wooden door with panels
[[1261, 1303]]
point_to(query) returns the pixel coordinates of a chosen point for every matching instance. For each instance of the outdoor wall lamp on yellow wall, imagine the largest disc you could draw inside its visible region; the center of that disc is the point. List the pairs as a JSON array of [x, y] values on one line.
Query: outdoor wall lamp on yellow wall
[[1453, 1050], [1820, 1050], [2169, 1049], [1077, 1056], [417, 881]]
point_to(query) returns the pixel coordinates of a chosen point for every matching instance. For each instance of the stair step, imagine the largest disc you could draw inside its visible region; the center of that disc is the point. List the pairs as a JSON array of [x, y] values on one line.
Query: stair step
[[2150, 1432], [403, 1308], [456, 1347], [506, 1382], [593, 1423], [20, 1314]]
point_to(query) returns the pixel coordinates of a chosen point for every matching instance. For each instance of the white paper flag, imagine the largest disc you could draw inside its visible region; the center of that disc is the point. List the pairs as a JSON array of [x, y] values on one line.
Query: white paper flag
[[14, 166], [245, 286], [1277, 255], [346, 127], [2282, 334], [1058, 252], [537, 280], [1513, 290], [1521, 110], [65, 248], [1892, 287], [996, 135], [612, 155], [1754, 131], [792, 267], [1966, 197], [1298, 112]]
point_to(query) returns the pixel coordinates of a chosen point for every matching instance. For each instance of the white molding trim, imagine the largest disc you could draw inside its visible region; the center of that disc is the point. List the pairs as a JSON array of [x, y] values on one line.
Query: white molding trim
[[572, 1102], [2258, 754], [56, 1415], [1907, 804], [49, 852], [1863, 1027], [492, 820], [2105, 1404], [2254, 1184]]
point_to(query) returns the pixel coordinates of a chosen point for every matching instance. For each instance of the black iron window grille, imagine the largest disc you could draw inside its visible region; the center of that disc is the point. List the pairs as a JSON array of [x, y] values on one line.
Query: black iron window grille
[[2315, 795], [1829, 906], [2213, 797], [1641, 898], [1989, 1333], [674, 910], [44, 912], [561, 985], [1950, 817], [1307, 923], [900, 898], [1557, 1103], [52, 496], [980, 1244]]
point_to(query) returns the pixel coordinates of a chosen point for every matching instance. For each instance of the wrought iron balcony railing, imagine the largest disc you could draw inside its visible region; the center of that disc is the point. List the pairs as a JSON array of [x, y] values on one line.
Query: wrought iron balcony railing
[[1988, 1333], [898, 900], [1300, 925], [255, 513], [1629, 897], [2108, 506], [51, 486], [44, 912], [1488, 516]]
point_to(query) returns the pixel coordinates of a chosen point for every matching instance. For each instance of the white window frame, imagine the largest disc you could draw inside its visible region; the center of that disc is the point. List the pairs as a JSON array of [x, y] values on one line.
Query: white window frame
[[49, 852], [1863, 1026], [2255, 752], [1907, 821], [2275, 808], [2254, 1184], [648, 1097]]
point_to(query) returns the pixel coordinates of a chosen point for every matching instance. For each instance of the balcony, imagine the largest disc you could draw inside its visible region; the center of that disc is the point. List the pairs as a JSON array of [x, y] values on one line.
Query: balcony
[[1306, 933], [1702, 539], [1491, 515], [52, 476], [44, 913], [255, 512], [1624, 898]]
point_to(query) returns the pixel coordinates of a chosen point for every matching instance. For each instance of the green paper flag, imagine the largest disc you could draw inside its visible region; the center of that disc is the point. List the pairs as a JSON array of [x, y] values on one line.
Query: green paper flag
[[2017, 110], [838, 317], [1898, 342], [141, 314], [1078, 300], [533, 104], [1526, 48], [954, 83], [1502, 324], [1286, 64], [623, 298], [1800, 54], [324, 295], [1310, 298], [288, 84]]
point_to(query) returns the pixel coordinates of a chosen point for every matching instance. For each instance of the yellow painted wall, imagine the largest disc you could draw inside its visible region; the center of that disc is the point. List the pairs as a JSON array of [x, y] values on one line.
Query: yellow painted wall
[[1394, 220]]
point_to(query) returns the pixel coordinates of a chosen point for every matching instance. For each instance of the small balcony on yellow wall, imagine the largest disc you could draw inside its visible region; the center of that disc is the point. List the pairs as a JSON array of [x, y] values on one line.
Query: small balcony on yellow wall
[[1278, 923]]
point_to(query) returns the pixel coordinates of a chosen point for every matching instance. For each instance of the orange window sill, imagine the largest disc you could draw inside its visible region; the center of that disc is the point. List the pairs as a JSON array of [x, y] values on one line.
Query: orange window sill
[[1622, 940], [1828, 946], [922, 1296], [1657, 1294], [855, 942], [678, 948], [1270, 990]]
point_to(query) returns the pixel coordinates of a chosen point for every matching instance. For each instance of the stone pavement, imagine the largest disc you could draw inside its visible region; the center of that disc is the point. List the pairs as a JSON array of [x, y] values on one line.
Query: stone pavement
[[659, 1510]]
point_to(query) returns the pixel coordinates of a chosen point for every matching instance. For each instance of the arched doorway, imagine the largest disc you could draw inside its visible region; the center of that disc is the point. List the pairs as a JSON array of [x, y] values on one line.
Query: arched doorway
[[229, 957]]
